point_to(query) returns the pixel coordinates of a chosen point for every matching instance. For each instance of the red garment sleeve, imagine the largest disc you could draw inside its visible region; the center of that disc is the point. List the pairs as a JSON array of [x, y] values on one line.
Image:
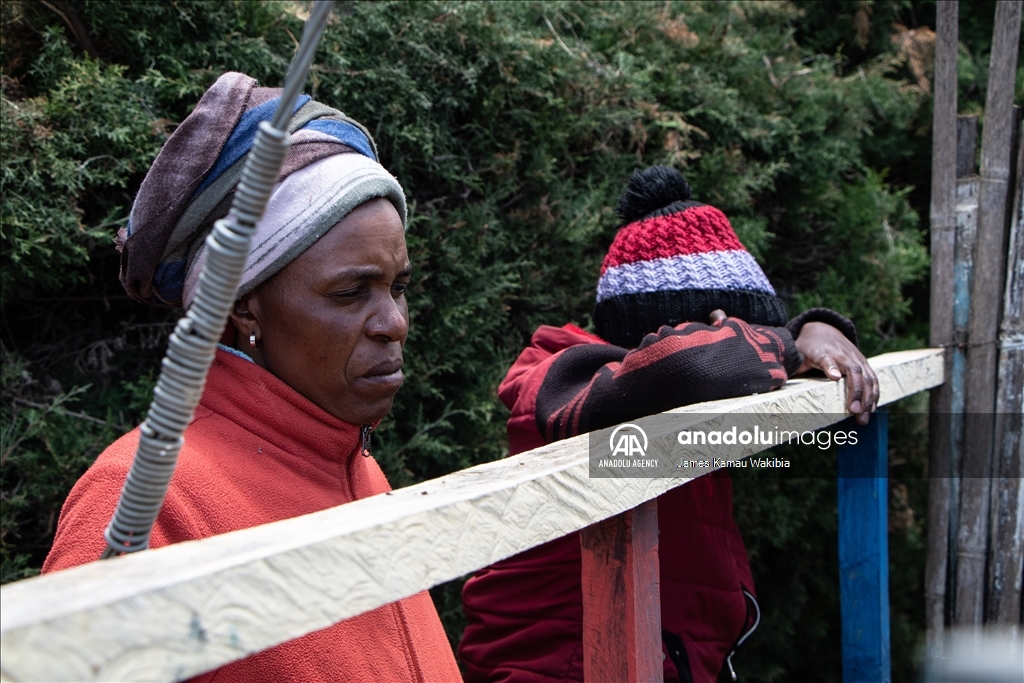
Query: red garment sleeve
[[592, 386]]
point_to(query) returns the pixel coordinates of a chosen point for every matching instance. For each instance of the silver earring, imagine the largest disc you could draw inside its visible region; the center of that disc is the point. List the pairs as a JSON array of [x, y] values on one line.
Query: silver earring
[[252, 340]]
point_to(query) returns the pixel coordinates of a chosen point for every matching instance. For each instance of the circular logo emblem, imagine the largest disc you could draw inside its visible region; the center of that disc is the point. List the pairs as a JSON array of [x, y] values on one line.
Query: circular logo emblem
[[628, 439]]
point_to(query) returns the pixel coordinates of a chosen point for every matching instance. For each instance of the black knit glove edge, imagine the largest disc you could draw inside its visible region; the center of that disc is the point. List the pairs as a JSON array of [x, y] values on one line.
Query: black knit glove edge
[[823, 315], [792, 359]]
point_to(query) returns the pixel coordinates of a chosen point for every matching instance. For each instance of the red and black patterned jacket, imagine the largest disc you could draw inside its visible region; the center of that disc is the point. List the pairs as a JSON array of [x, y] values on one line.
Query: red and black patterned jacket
[[525, 613]]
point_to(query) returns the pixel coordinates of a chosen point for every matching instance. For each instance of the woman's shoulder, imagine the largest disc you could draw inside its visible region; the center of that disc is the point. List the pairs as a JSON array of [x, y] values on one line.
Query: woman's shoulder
[[118, 455], [90, 505]]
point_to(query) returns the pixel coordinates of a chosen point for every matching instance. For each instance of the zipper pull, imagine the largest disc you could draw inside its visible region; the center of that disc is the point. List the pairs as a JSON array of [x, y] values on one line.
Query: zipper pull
[[366, 429]]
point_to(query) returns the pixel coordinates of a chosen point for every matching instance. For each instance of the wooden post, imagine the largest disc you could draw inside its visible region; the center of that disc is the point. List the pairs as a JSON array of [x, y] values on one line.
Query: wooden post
[[966, 146], [986, 291], [945, 168], [1006, 545], [864, 552], [621, 597], [967, 191]]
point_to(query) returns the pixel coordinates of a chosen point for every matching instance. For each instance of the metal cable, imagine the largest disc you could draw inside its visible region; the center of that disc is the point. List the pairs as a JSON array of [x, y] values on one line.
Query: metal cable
[[193, 343]]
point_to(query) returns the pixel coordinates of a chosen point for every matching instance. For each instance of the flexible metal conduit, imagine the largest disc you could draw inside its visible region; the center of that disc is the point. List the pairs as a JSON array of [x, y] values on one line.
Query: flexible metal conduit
[[193, 343]]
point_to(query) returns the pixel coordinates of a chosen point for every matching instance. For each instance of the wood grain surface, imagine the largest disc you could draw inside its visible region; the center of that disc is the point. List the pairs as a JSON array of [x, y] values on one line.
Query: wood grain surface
[[986, 306], [950, 160], [1006, 542], [621, 597]]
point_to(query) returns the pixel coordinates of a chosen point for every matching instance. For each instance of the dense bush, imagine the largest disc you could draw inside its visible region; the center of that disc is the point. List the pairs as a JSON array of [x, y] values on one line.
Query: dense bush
[[513, 127]]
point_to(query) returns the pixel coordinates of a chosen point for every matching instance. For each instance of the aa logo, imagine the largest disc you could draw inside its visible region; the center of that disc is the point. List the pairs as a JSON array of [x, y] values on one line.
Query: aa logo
[[628, 440]]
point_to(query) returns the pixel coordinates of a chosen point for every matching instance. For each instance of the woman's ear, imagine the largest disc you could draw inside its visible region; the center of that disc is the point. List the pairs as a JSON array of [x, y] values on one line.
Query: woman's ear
[[247, 324]]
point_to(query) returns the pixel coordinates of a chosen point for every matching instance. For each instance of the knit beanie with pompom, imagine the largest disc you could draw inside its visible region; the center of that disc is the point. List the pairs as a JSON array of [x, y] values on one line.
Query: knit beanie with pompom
[[676, 260]]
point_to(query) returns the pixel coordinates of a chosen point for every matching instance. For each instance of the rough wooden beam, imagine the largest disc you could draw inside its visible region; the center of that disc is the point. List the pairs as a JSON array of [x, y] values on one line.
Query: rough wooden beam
[[966, 145], [944, 173], [1006, 544], [945, 169], [986, 295], [621, 597], [173, 612], [952, 416]]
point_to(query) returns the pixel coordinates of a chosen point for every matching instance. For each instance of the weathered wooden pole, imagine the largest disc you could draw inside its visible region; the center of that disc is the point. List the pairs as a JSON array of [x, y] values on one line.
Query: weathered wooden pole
[[966, 146], [621, 598], [986, 295], [968, 186], [1006, 545], [943, 224]]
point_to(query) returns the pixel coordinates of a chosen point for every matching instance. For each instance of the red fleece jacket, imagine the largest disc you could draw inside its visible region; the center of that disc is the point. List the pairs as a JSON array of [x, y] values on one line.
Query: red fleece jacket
[[525, 614], [258, 452]]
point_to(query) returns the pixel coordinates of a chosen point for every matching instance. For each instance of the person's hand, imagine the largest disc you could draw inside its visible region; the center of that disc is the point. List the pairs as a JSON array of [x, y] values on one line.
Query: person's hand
[[825, 348]]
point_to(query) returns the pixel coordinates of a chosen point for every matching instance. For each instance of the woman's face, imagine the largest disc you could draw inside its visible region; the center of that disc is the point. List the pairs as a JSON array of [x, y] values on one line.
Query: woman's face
[[333, 322]]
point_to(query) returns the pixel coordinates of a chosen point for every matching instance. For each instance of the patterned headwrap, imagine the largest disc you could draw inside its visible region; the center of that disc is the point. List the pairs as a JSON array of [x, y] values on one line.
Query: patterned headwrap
[[329, 170]]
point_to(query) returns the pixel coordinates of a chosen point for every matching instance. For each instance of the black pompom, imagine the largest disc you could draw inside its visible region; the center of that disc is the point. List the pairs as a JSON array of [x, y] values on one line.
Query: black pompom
[[651, 189]]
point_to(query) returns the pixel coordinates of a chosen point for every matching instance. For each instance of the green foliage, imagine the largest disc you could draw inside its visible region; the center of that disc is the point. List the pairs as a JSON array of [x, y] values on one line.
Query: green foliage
[[514, 137], [790, 528], [92, 129], [513, 128], [86, 138], [46, 445], [878, 231]]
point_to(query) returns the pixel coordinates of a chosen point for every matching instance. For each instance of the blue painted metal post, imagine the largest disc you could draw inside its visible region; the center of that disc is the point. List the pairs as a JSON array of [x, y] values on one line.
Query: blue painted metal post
[[864, 552]]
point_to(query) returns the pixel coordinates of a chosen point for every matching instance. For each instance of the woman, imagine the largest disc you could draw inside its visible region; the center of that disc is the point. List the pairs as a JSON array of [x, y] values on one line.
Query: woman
[[309, 365]]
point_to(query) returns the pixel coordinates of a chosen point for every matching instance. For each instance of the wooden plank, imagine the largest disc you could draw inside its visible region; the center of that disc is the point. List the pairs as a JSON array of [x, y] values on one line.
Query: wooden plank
[[173, 612], [986, 294], [1006, 544], [966, 143], [947, 404], [967, 190], [947, 143], [864, 553], [944, 165], [621, 597]]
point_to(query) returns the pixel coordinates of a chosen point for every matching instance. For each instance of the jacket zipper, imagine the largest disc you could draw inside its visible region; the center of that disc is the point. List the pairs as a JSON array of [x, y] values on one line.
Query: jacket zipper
[[746, 634], [365, 431]]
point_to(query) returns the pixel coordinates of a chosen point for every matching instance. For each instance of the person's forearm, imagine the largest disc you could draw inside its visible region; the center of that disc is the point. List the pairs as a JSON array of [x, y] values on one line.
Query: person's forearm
[[593, 386]]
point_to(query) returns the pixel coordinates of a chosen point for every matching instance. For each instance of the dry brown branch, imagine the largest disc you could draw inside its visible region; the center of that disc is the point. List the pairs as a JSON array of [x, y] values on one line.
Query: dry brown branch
[[74, 23]]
